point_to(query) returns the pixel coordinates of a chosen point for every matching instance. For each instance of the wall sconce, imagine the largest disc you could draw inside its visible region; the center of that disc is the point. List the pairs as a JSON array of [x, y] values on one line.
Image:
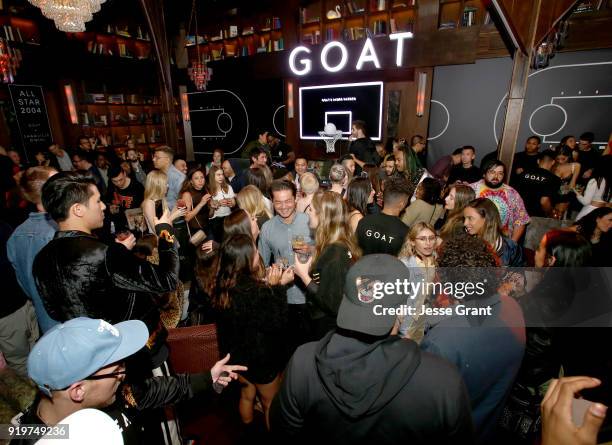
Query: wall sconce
[[421, 86], [74, 118], [290, 100], [185, 107]]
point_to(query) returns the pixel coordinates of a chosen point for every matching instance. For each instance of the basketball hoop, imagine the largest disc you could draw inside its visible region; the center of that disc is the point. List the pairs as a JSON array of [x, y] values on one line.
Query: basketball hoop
[[330, 135]]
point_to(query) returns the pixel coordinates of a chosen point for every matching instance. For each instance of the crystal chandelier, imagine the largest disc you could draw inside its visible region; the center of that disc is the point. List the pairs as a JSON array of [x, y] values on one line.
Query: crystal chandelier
[[69, 15], [10, 60], [199, 73]]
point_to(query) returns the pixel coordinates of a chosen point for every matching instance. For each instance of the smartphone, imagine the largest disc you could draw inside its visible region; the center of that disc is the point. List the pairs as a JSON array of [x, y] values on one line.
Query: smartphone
[[159, 208]]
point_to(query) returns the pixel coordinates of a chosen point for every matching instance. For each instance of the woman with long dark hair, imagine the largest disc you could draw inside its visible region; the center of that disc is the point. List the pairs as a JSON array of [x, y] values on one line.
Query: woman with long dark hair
[[196, 197], [595, 227], [359, 194], [335, 251], [426, 207], [252, 320], [481, 218]]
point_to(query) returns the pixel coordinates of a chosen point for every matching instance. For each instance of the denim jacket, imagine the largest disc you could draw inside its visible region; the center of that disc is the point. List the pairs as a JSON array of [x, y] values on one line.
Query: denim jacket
[[22, 247]]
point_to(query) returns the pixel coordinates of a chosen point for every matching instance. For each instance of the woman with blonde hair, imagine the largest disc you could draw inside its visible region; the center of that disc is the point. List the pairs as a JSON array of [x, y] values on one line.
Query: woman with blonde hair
[[338, 178], [309, 185], [154, 203], [251, 199], [335, 251], [419, 255]]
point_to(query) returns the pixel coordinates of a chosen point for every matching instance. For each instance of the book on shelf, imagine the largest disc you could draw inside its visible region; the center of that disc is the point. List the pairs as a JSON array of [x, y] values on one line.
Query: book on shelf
[[379, 28], [448, 25], [468, 17], [276, 23], [96, 98], [378, 5], [355, 33], [353, 8], [116, 99], [233, 31], [392, 25]]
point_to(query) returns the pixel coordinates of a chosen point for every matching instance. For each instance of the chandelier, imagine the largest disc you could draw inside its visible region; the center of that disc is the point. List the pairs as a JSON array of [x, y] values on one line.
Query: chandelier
[[9, 62], [69, 15], [198, 72]]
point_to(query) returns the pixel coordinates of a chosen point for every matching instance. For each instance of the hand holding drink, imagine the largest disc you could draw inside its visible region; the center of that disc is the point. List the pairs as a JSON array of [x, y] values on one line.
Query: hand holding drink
[[301, 247]]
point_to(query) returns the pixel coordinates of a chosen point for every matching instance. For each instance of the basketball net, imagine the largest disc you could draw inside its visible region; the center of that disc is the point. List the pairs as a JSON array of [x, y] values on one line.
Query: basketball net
[[330, 141]]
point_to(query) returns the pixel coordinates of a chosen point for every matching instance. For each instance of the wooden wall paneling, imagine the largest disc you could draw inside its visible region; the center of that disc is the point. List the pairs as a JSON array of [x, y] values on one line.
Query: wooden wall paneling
[[516, 96], [518, 14], [154, 15], [446, 47], [59, 118], [589, 31], [552, 11], [491, 44], [427, 16]]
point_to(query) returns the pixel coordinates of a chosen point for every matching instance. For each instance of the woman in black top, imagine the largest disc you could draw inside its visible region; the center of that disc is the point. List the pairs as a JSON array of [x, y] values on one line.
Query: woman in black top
[[252, 319], [595, 227], [335, 251], [196, 197]]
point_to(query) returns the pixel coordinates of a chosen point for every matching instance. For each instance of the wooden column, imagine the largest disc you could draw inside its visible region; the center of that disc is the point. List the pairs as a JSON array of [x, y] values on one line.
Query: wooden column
[[517, 91], [154, 15]]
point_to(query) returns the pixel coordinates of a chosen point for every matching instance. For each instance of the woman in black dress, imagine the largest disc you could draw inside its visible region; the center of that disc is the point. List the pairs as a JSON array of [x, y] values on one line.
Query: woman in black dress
[[252, 320]]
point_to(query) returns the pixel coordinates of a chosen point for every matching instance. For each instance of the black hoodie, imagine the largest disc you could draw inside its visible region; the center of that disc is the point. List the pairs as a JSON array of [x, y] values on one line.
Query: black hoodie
[[344, 390]]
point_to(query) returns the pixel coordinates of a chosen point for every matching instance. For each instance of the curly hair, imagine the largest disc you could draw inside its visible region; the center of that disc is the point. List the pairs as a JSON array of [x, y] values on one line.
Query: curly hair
[[469, 259]]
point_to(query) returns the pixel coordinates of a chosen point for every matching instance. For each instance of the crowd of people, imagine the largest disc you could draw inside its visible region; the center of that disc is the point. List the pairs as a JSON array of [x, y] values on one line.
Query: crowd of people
[[104, 253]]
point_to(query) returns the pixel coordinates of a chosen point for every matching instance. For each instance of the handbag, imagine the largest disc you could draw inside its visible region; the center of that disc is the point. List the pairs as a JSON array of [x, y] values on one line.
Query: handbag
[[197, 238]]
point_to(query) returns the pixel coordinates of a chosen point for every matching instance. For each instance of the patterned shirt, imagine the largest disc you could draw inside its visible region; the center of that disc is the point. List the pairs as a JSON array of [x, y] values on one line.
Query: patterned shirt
[[509, 203]]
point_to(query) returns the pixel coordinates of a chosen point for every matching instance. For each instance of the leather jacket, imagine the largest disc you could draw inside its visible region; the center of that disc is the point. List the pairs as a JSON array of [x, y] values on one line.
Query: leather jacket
[[77, 275]]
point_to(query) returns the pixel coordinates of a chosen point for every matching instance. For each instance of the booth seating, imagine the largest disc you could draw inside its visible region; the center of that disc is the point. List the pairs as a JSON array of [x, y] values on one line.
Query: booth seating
[[207, 419]]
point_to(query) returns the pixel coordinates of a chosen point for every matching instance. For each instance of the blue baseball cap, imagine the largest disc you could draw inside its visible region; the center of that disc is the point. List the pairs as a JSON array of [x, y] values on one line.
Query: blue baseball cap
[[78, 348]]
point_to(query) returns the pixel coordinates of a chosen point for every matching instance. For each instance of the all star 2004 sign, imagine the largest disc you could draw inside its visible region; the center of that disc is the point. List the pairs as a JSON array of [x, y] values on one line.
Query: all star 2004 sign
[[301, 64]]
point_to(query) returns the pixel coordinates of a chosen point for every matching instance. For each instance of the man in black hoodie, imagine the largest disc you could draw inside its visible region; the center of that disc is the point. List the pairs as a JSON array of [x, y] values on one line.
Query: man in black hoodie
[[362, 383]]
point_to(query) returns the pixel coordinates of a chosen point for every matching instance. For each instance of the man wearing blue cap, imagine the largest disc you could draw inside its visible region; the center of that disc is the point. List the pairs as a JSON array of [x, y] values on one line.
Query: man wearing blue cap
[[361, 383], [81, 364]]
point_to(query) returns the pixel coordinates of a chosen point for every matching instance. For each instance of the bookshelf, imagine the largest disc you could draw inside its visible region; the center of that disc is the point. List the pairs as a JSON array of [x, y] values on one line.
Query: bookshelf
[[235, 35], [124, 41], [327, 20], [455, 14], [121, 115]]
